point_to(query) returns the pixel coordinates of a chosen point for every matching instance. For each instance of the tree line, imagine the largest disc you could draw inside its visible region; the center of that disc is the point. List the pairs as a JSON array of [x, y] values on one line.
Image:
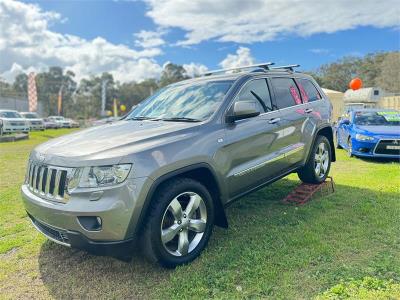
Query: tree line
[[83, 100], [380, 69]]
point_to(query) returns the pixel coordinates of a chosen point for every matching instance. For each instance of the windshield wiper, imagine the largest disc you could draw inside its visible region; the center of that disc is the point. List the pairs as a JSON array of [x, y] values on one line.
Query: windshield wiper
[[140, 118], [181, 119]]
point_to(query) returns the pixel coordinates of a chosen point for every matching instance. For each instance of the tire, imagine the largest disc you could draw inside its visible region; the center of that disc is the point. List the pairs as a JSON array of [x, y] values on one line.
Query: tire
[[319, 162], [170, 215], [337, 142], [349, 148]]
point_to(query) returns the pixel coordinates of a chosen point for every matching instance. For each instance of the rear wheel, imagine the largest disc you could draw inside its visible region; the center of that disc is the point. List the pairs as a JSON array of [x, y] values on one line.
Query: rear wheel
[[319, 162], [180, 223]]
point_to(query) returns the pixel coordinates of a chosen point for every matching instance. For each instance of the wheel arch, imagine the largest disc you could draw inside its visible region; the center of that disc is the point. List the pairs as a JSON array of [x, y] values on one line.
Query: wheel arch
[[327, 131], [201, 172]]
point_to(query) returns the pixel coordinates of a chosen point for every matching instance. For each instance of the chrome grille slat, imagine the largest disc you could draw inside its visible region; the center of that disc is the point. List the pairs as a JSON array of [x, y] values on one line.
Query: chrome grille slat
[[34, 176], [48, 182], [47, 188], [57, 182], [41, 180]]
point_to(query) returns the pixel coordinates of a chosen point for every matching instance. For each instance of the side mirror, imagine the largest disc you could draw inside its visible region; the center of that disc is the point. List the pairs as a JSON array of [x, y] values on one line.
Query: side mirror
[[243, 110]]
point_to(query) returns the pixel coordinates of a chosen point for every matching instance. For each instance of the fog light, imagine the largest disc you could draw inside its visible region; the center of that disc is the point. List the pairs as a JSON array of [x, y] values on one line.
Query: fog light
[[90, 223]]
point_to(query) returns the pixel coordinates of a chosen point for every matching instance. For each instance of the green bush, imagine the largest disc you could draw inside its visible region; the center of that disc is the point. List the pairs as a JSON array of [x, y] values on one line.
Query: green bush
[[367, 288]]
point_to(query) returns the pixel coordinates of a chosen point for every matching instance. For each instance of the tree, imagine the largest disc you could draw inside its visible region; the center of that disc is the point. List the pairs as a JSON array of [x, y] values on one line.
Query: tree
[[20, 84], [389, 77], [50, 83], [133, 93], [337, 75], [172, 73]]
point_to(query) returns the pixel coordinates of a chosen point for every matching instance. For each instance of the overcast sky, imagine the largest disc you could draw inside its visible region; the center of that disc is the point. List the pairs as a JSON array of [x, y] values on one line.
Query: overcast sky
[[134, 39]]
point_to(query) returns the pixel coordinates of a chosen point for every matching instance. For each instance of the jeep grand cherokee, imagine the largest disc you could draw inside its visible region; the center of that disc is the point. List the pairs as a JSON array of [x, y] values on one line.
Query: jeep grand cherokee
[[163, 175]]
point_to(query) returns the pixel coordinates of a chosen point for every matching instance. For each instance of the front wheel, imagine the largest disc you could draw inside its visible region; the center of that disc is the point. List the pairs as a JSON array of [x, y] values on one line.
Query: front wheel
[[319, 162], [180, 223], [349, 148], [337, 142]]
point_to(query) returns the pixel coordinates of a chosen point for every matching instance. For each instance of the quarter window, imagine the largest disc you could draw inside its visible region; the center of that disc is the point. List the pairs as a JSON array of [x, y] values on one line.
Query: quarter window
[[286, 92], [308, 91], [257, 90]]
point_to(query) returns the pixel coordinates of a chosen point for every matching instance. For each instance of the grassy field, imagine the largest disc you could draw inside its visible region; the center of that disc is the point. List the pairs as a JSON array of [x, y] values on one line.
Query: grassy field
[[270, 250]]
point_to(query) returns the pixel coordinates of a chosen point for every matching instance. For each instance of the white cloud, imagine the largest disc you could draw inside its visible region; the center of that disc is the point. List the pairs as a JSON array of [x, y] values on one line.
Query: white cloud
[[242, 57], [194, 69], [320, 51], [263, 20], [27, 43], [149, 39]]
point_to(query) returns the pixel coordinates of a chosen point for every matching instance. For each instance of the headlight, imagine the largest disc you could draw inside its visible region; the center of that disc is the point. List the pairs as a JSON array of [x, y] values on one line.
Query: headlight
[[98, 176], [362, 137]]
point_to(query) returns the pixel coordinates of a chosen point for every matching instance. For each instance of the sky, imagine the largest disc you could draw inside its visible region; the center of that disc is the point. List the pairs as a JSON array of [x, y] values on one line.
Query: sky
[[133, 39]]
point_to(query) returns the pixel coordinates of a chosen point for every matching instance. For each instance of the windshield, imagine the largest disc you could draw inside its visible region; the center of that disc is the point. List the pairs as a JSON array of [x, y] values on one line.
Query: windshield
[[194, 101], [9, 114], [379, 118], [30, 116]]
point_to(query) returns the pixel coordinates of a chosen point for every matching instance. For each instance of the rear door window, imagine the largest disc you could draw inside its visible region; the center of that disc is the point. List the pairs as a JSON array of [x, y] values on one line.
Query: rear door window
[[286, 92], [257, 90], [308, 90]]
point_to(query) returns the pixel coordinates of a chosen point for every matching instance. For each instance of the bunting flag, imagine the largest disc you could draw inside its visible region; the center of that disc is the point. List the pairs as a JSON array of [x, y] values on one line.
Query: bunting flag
[[59, 104], [32, 93]]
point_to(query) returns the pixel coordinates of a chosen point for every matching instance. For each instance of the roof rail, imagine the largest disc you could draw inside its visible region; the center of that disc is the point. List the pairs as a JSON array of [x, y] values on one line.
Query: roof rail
[[264, 66], [286, 67]]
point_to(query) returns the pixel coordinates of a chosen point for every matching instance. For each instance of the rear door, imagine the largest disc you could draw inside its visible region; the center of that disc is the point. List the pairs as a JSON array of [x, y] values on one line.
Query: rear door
[[252, 150], [293, 120]]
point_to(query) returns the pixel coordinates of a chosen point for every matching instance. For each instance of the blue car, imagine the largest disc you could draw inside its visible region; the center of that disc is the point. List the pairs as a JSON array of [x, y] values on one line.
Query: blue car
[[370, 133]]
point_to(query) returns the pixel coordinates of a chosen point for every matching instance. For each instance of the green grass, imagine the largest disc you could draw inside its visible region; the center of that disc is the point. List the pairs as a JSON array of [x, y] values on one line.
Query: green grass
[[270, 250]]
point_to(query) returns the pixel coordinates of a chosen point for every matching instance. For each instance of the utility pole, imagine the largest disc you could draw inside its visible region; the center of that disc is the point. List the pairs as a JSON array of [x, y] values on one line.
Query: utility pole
[[103, 97]]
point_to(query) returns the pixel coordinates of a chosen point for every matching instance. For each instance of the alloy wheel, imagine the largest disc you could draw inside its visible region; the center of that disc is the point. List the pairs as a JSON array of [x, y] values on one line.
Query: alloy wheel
[[321, 160], [183, 223]]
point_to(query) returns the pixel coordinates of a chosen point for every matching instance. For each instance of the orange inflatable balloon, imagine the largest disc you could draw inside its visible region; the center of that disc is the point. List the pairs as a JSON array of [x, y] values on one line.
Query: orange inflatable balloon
[[355, 84]]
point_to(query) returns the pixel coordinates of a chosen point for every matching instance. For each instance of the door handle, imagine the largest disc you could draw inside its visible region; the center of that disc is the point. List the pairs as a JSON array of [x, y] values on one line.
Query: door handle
[[274, 120], [308, 110]]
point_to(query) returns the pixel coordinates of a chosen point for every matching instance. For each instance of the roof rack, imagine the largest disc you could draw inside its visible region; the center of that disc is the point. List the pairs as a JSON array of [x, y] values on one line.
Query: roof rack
[[264, 66], [286, 67]]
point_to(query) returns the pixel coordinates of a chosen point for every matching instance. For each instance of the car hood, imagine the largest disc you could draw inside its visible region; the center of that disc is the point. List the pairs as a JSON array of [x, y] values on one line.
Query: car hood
[[37, 119], [109, 143], [381, 130], [13, 119]]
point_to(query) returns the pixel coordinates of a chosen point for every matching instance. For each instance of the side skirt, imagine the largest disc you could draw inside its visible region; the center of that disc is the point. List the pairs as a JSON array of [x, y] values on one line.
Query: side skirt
[[262, 185]]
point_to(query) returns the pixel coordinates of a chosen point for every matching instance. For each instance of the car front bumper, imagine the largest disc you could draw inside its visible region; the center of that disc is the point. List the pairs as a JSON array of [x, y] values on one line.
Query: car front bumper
[[118, 207], [36, 126], [10, 129], [368, 149]]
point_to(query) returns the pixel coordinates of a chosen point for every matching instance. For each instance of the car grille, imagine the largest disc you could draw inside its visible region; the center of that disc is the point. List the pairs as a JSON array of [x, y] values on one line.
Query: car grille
[[48, 182], [381, 148], [36, 123], [50, 232], [16, 123]]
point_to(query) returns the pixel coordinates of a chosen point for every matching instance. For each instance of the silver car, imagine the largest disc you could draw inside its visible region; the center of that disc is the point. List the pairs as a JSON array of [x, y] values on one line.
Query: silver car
[[162, 176], [35, 123]]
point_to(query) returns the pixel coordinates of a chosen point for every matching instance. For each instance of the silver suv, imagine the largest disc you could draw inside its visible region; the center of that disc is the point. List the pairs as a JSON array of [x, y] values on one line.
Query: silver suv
[[163, 175]]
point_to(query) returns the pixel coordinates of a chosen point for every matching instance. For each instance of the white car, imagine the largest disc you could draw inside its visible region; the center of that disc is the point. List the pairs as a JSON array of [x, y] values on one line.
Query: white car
[[60, 121], [35, 122], [11, 121]]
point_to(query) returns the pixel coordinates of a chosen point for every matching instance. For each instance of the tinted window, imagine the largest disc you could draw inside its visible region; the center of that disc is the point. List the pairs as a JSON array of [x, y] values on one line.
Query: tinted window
[[257, 90], [286, 92], [379, 118], [308, 91]]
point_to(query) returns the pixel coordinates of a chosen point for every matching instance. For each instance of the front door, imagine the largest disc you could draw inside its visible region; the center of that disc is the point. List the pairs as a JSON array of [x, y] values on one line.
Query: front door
[[252, 151]]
